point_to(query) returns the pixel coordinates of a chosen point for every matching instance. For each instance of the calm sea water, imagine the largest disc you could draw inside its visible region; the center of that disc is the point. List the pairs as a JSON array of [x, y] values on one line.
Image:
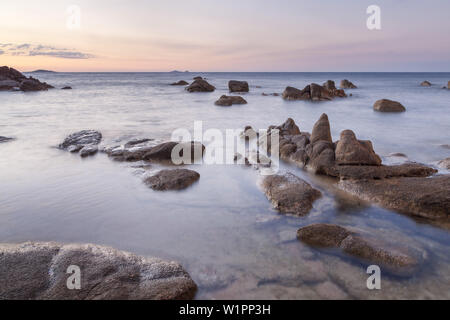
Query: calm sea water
[[222, 229]]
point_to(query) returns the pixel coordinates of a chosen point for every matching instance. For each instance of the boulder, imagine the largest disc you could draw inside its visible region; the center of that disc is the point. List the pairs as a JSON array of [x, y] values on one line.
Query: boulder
[[445, 164], [176, 179], [290, 194], [66, 88], [200, 85], [249, 133], [179, 83], [238, 86], [415, 196], [345, 84], [38, 271], [226, 101], [403, 261], [319, 93], [32, 84], [350, 151], [78, 140], [321, 130], [426, 84], [291, 93], [385, 105], [330, 85], [163, 152]]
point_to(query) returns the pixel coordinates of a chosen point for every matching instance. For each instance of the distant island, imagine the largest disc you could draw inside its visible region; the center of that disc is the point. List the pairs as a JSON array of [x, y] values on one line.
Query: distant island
[[42, 71], [177, 71]]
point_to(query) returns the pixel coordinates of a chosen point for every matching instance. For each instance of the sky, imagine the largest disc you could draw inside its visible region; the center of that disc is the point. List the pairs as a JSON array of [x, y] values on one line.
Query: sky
[[213, 35]]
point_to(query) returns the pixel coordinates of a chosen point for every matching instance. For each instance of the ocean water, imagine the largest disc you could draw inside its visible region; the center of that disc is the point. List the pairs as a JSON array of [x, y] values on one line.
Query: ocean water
[[223, 230]]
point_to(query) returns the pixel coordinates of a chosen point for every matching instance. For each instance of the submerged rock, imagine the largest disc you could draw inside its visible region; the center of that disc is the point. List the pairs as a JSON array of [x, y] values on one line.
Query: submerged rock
[[176, 179], [5, 139], [345, 84], [227, 101], [415, 196], [86, 140], [38, 271], [290, 194], [66, 88], [238, 86], [200, 85], [179, 83], [386, 105], [397, 260], [426, 84]]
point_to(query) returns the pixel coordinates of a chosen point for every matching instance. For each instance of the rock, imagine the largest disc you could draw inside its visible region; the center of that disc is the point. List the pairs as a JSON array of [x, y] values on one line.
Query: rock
[[288, 128], [163, 152], [200, 85], [7, 73], [80, 139], [398, 154], [426, 84], [88, 150], [396, 260], [5, 139], [448, 85], [291, 93], [345, 84], [6, 85], [179, 83], [227, 101], [321, 130], [350, 151], [32, 84], [270, 94], [330, 85], [176, 179], [66, 88], [38, 271], [414, 196], [408, 169], [197, 78], [238, 86], [249, 133], [290, 194], [136, 142], [445, 146], [386, 105], [319, 93], [445, 164]]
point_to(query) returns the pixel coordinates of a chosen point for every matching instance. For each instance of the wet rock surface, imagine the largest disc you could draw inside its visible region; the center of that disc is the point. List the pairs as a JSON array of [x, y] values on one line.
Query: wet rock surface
[[238, 86], [401, 261], [386, 105], [422, 197], [11, 79], [175, 179], [227, 101], [39, 271], [290, 194], [86, 142], [200, 85]]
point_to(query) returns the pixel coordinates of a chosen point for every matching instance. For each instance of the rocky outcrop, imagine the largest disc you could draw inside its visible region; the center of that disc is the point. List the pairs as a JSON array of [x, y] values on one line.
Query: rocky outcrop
[[176, 179], [385, 105], [227, 101], [5, 139], [402, 261], [350, 151], [238, 86], [445, 164], [39, 271], [85, 141], [313, 92], [179, 83], [426, 84], [290, 194], [200, 85], [345, 84], [416, 196], [11, 79]]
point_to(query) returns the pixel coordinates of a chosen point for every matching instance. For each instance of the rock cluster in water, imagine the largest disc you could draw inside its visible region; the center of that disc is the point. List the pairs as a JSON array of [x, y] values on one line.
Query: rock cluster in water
[[314, 92], [39, 271], [11, 79]]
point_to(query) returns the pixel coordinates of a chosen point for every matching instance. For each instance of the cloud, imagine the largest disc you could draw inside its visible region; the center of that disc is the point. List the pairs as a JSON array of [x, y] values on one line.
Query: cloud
[[31, 50]]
